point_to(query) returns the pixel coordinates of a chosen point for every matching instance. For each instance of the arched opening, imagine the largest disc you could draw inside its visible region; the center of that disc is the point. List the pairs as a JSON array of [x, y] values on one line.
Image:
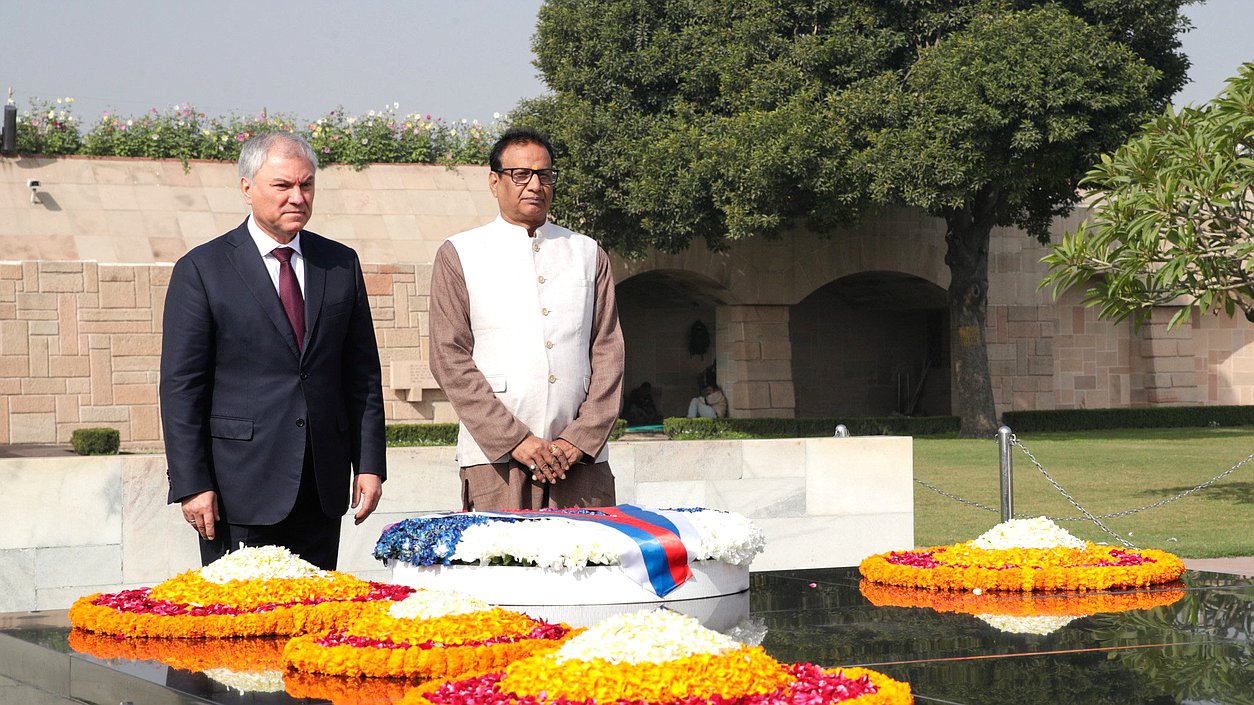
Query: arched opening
[[872, 344], [657, 311]]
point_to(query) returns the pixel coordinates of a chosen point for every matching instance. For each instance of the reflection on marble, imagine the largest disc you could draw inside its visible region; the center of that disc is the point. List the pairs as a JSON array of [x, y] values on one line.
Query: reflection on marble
[[1195, 649]]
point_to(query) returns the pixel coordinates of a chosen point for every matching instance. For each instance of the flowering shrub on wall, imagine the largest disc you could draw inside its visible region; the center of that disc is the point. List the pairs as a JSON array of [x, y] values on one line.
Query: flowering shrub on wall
[[182, 132]]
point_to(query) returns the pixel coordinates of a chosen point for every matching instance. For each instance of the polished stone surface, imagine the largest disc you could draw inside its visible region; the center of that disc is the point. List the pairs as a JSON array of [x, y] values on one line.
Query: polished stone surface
[[1193, 647]]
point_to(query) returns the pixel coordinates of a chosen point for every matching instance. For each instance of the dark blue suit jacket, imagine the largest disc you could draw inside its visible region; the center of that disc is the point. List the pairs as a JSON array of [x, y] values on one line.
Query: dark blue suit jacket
[[238, 395]]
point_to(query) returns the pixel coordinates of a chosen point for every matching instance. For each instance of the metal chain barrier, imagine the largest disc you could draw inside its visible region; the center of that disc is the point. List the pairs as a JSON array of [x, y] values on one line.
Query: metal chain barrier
[[1128, 512], [955, 497], [1087, 514]]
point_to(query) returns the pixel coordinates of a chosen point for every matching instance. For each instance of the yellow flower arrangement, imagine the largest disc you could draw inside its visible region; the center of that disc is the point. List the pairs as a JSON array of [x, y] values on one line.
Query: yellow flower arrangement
[[660, 658], [255, 591], [966, 567], [191, 588], [379, 645], [734, 674], [280, 621], [1016, 604]]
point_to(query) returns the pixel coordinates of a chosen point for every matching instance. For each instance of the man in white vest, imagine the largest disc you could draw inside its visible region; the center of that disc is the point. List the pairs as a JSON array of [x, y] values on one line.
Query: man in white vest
[[525, 342]]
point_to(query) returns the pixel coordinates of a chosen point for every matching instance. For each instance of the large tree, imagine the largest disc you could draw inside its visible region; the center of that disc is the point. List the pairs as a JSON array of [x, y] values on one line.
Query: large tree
[[1172, 216], [696, 119]]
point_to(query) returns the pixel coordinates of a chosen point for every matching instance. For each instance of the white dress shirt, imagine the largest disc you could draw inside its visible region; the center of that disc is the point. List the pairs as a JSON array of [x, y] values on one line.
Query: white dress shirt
[[266, 244]]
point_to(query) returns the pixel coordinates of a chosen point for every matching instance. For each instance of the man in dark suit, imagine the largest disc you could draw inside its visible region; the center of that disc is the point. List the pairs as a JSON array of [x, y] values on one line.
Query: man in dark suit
[[271, 399]]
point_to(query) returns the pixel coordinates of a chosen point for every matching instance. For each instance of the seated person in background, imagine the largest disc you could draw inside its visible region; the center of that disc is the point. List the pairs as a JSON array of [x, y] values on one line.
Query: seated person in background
[[710, 405], [640, 409]]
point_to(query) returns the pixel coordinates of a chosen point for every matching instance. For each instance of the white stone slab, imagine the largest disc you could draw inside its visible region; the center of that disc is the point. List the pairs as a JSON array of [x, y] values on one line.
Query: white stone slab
[[73, 566], [156, 542], [421, 480], [832, 541], [688, 460], [759, 498], [665, 495], [60, 502], [860, 475], [783, 457], [591, 585], [623, 465], [17, 580]]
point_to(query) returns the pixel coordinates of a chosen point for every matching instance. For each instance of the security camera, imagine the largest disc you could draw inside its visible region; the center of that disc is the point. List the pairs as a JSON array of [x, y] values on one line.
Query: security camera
[[32, 183]]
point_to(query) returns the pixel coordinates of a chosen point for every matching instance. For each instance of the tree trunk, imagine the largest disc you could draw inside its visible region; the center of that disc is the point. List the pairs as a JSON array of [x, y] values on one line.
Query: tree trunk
[[967, 238]]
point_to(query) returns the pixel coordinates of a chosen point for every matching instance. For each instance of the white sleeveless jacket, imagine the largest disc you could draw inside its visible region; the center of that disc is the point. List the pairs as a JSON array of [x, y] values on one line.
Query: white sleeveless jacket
[[531, 306]]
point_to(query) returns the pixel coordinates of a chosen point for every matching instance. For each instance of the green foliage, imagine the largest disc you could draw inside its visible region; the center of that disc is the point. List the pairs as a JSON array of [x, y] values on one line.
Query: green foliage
[[401, 435], [179, 132], [96, 441], [1153, 417], [1172, 216], [1000, 119], [684, 429], [49, 128], [706, 120], [620, 427], [182, 132]]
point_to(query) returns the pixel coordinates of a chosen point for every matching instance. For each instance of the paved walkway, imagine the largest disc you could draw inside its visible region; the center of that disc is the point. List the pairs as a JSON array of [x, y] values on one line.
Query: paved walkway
[[1243, 566]]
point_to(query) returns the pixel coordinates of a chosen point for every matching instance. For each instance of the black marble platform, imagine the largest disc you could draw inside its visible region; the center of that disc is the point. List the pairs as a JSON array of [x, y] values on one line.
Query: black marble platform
[[1194, 647]]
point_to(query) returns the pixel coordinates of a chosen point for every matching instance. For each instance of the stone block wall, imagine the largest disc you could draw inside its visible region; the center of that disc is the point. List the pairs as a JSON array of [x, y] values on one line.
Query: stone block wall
[[80, 346], [754, 354]]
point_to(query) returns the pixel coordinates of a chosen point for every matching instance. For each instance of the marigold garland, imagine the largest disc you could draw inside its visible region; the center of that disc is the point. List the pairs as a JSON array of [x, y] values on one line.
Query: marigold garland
[[190, 588], [734, 674], [345, 691], [135, 613], [249, 654], [965, 567], [805, 683], [378, 645], [1016, 604]]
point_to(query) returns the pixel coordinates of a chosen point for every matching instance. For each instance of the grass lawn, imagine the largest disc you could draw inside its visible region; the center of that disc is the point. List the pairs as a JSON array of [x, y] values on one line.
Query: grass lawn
[[1106, 472]]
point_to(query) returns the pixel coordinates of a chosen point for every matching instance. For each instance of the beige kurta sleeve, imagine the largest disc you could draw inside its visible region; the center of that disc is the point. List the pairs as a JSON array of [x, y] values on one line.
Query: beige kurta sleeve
[[493, 427], [591, 428]]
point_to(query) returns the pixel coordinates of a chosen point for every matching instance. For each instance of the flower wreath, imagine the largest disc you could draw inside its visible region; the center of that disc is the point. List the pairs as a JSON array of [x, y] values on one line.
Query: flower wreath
[[432, 634], [251, 592], [661, 658], [1025, 555], [1019, 604]]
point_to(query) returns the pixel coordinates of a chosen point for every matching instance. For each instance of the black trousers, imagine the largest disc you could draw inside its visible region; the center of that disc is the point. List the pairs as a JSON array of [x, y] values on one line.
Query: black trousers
[[307, 531]]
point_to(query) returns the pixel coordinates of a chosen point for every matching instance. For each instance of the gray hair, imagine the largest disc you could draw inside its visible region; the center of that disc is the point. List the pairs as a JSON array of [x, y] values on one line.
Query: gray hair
[[258, 148]]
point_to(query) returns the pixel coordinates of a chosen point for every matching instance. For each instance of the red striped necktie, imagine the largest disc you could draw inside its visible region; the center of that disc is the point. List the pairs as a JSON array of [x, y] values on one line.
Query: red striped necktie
[[289, 293]]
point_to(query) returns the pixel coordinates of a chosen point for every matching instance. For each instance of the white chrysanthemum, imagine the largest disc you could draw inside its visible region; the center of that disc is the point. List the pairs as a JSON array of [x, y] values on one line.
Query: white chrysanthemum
[[645, 637], [262, 682], [260, 563], [548, 543], [429, 604], [1038, 532], [1026, 625], [726, 536]]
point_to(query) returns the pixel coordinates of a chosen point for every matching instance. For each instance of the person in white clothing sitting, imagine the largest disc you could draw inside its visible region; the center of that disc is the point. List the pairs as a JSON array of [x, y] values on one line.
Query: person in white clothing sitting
[[710, 405]]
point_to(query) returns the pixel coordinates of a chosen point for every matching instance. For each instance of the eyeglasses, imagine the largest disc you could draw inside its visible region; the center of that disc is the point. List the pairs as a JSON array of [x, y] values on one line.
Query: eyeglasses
[[521, 176]]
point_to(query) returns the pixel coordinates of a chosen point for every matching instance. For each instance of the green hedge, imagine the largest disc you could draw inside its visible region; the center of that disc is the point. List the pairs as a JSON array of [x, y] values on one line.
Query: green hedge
[[402, 435], [1156, 417], [425, 434], [96, 441], [682, 429]]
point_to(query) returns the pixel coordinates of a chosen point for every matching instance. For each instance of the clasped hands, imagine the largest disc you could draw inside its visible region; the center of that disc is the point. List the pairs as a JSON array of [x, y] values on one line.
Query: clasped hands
[[548, 461]]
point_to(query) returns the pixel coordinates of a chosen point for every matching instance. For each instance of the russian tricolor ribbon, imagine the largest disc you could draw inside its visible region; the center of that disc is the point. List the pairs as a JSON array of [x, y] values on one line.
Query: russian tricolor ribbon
[[659, 561]]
